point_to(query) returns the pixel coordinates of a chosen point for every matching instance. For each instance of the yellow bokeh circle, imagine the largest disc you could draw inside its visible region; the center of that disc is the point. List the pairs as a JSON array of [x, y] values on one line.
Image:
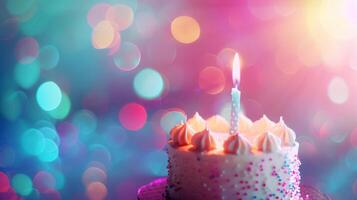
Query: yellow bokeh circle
[[185, 29], [103, 35]]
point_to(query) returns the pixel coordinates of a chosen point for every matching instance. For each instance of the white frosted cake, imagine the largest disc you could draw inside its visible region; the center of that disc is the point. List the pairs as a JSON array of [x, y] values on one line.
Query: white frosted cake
[[206, 162]]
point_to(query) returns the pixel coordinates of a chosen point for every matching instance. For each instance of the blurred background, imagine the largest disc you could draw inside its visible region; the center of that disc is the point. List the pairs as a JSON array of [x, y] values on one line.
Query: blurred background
[[90, 89]]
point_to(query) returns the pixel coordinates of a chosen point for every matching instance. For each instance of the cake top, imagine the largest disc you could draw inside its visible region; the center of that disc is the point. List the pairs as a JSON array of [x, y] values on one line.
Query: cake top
[[212, 134]]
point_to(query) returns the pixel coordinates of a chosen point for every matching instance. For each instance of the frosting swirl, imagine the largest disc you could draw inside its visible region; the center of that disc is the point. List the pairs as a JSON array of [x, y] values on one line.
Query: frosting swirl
[[203, 141], [218, 124], [197, 123], [262, 125], [181, 134], [286, 134], [268, 142], [237, 144]]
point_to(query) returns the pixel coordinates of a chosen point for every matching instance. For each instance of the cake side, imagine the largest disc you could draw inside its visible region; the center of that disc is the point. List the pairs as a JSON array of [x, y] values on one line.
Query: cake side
[[259, 162], [204, 175]]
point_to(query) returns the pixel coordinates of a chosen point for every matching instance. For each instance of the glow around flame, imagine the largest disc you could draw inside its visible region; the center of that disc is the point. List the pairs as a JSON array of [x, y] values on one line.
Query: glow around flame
[[236, 70]]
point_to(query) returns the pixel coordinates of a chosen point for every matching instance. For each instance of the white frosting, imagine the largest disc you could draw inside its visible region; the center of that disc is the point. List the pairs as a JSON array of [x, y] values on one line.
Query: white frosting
[[237, 144], [268, 142], [181, 134], [286, 134], [218, 124], [244, 124], [197, 123], [254, 133], [262, 125], [203, 141]]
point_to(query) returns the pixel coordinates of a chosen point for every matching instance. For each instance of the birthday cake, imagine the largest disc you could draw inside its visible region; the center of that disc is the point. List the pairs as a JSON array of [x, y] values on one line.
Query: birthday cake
[[207, 161]]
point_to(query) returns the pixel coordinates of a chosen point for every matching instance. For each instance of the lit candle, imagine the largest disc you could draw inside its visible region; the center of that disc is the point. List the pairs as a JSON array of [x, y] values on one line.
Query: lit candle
[[235, 94]]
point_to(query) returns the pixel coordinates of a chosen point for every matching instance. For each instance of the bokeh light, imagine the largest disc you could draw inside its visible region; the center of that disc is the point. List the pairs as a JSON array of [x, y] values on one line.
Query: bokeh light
[[170, 118], [22, 184], [96, 191], [4, 182], [48, 96], [97, 164], [127, 57], [26, 50], [339, 137], [26, 75], [212, 80], [97, 13], [33, 142], [68, 134], [103, 35], [338, 91], [44, 181], [48, 57], [225, 57], [60, 180], [100, 153], [121, 15], [185, 29], [132, 116], [146, 23], [85, 121], [50, 151], [94, 174], [115, 46], [50, 133], [148, 84], [63, 109]]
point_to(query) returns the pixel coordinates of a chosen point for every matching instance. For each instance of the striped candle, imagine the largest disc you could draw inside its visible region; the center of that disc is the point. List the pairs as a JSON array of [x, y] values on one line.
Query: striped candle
[[235, 109]]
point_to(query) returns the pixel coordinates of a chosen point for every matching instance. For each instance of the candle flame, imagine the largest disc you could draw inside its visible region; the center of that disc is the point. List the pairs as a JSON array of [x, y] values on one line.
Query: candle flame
[[236, 70]]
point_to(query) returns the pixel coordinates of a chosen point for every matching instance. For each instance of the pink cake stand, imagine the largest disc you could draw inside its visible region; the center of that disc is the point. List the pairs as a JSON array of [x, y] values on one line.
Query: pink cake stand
[[156, 191]]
